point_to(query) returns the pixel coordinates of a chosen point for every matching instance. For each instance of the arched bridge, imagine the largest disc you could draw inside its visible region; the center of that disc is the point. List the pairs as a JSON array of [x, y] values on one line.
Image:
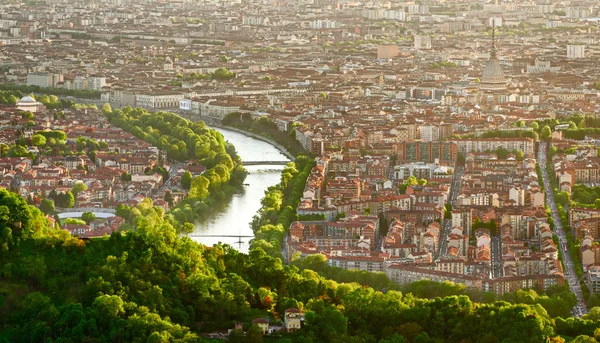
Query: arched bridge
[[265, 163]]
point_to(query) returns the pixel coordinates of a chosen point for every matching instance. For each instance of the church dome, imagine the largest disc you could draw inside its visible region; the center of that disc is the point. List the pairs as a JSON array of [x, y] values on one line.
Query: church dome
[[27, 100]]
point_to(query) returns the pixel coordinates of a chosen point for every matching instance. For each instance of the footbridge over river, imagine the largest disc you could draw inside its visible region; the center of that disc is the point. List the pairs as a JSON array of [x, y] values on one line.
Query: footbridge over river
[[265, 163]]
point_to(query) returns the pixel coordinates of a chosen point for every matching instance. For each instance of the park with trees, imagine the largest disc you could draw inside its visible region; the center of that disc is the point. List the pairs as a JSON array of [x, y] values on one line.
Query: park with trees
[[188, 142]]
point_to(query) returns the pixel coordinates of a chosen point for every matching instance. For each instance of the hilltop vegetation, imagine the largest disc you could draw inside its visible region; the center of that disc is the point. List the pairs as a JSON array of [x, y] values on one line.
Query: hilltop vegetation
[[153, 285]]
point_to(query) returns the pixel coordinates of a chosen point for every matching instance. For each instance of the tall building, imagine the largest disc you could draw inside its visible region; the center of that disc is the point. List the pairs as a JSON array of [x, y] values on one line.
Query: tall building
[[444, 153], [95, 83], [429, 133], [575, 51], [463, 218], [493, 76]]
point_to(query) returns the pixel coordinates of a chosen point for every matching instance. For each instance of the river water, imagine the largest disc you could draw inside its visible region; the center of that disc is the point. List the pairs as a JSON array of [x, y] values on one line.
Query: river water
[[235, 218]]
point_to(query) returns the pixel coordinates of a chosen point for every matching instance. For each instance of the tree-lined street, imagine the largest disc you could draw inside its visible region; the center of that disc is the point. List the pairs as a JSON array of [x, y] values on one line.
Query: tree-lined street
[[570, 274]]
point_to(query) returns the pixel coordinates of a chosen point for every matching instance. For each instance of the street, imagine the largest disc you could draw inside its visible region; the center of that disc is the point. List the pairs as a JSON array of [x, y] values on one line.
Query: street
[[570, 274], [497, 264], [172, 173], [447, 227]]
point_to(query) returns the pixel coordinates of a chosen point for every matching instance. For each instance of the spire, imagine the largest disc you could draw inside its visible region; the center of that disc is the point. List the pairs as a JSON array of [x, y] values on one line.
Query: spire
[[493, 76], [493, 52]]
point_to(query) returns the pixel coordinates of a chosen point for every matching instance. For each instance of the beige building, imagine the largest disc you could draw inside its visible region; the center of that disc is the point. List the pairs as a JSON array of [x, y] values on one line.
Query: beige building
[[293, 319], [387, 51]]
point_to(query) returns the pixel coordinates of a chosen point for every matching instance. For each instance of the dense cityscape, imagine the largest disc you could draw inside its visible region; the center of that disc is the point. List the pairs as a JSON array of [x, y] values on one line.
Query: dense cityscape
[[299, 171]]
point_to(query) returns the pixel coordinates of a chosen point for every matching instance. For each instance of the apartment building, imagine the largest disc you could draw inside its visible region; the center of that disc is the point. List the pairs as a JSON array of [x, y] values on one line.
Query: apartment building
[[408, 273], [44, 79], [467, 145], [366, 263]]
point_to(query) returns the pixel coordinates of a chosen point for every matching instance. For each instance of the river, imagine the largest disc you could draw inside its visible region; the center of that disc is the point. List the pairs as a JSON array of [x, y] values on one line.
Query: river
[[235, 218]]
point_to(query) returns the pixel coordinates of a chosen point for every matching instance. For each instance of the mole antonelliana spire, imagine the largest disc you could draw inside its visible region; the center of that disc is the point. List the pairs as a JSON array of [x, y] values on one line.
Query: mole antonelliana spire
[[493, 76]]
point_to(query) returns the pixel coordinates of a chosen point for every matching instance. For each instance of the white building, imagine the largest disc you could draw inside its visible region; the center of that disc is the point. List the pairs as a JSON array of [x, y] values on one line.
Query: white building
[[158, 99], [545, 8], [79, 83], [575, 51], [258, 21], [27, 103], [467, 145], [577, 12], [96, 83], [517, 194], [217, 109], [394, 15], [495, 21], [417, 9], [422, 42], [324, 24], [429, 133], [43, 80]]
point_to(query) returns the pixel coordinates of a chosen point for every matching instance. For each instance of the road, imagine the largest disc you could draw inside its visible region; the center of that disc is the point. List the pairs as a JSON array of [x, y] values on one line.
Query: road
[[454, 190], [570, 274], [497, 264], [172, 173]]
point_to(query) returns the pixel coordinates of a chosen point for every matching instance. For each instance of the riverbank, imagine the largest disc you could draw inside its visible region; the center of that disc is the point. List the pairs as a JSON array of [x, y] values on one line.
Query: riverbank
[[230, 223], [278, 146]]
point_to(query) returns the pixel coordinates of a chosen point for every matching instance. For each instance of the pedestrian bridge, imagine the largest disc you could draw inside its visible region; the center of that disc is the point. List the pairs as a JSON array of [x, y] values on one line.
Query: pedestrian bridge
[[265, 163]]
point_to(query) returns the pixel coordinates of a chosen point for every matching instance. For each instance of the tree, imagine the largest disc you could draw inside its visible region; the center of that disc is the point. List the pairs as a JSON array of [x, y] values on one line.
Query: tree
[[88, 217], [199, 188], [173, 152], [69, 200], [594, 314], [546, 132], [106, 108], [38, 140], [187, 228], [254, 334], [236, 336], [402, 188], [412, 181], [78, 187], [520, 155], [74, 221], [47, 206], [12, 100], [125, 177], [584, 339], [223, 74], [186, 180], [169, 198]]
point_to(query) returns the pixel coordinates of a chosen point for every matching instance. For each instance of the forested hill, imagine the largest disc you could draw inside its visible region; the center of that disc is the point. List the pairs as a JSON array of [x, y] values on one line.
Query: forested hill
[[150, 285]]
